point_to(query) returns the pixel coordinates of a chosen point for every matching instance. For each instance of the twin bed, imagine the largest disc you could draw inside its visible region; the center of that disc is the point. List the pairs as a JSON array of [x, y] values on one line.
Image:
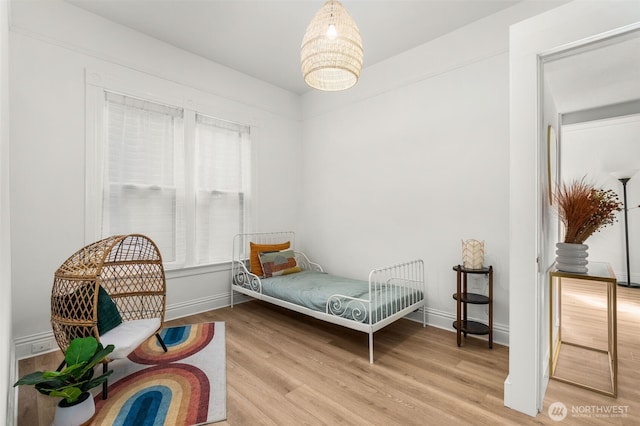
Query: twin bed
[[266, 266]]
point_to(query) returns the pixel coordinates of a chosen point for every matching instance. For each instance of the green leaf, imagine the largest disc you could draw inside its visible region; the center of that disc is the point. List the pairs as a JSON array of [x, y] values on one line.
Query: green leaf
[[31, 379], [81, 350], [71, 371], [97, 358], [98, 380], [70, 394]]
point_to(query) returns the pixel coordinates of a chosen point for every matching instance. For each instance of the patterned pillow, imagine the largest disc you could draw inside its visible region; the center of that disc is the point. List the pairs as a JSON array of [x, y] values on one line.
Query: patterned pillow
[[279, 263], [256, 249]]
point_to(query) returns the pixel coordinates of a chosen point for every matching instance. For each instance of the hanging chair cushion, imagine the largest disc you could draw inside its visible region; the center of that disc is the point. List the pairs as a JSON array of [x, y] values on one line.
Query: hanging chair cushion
[[129, 335], [108, 315]]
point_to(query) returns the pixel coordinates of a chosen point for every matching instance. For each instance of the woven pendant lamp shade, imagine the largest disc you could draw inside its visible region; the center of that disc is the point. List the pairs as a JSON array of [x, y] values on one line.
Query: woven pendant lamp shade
[[331, 60]]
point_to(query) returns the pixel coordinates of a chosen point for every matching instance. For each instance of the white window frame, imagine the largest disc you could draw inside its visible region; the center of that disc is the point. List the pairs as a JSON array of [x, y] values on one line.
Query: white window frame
[[192, 101]]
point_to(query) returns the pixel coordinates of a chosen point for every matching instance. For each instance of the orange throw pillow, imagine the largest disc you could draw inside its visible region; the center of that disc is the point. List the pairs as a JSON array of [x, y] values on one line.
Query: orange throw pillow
[[256, 249]]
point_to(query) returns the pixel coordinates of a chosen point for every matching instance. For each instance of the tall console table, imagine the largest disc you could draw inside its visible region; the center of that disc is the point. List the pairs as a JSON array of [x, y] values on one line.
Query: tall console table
[[599, 273], [463, 325]]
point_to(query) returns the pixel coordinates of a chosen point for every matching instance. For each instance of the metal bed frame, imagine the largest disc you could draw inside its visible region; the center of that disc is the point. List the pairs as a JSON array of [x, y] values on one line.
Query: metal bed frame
[[401, 280]]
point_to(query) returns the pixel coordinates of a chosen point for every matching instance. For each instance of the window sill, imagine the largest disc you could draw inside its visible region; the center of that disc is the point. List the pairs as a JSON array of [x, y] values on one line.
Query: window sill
[[189, 271]]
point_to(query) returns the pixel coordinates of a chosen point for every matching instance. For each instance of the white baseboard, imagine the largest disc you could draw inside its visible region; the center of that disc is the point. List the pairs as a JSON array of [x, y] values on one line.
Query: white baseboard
[[546, 371], [444, 320], [196, 306], [12, 397], [25, 346], [41, 343], [507, 392]]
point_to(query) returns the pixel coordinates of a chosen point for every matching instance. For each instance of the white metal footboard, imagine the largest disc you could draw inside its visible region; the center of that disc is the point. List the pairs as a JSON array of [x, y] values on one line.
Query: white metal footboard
[[394, 291]]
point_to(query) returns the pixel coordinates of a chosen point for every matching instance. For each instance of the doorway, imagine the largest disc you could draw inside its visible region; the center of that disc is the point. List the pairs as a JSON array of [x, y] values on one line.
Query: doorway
[[531, 253]]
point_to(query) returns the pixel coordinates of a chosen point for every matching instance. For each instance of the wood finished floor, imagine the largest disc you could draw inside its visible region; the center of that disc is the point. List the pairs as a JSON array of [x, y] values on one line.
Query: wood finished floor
[[285, 368]]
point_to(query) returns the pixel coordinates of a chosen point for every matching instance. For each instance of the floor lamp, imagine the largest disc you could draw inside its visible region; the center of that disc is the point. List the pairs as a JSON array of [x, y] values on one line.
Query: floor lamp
[[624, 178]]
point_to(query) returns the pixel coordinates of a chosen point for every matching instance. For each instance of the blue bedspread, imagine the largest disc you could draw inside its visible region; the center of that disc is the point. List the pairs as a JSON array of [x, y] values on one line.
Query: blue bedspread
[[313, 289]]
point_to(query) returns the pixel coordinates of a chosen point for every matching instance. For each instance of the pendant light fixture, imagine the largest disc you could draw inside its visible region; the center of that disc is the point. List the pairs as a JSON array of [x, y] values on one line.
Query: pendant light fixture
[[331, 53]]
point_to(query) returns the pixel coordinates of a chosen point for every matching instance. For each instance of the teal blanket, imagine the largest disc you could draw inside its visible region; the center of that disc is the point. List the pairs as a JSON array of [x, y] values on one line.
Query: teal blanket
[[313, 289]]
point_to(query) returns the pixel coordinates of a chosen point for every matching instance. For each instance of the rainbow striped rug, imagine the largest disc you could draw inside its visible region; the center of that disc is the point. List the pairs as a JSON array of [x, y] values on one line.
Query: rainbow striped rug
[[184, 386]]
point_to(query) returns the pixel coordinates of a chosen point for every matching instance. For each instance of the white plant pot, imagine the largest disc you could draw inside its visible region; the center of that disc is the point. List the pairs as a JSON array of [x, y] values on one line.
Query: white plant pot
[[572, 257], [77, 414]]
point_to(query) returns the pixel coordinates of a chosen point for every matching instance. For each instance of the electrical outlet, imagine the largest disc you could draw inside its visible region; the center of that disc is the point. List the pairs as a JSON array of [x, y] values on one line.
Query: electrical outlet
[[40, 347]]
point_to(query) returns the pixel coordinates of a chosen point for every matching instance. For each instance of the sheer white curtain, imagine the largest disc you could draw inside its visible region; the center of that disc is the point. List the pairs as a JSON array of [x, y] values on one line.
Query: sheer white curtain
[[175, 175], [222, 184], [144, 173]]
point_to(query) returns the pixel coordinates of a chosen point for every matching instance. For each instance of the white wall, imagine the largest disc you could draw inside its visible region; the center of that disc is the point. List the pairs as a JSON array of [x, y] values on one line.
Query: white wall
[[6, 338], [414, 159], [52, 43], [613, 145]]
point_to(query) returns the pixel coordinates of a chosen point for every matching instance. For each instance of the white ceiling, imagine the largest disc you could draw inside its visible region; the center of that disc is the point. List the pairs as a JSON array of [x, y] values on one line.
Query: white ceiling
[[262, 38], [601, 74]]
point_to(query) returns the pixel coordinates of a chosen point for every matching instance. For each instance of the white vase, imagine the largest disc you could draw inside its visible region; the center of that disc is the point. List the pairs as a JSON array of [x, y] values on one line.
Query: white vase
[[76, 414], [572, 257]]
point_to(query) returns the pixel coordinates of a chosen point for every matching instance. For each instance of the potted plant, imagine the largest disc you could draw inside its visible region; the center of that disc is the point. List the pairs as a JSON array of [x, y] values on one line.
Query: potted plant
[[583, 209], [73, 382]]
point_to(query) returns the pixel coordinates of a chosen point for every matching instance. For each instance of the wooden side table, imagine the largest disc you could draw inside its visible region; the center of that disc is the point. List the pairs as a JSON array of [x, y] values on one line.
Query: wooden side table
[[462, 325]]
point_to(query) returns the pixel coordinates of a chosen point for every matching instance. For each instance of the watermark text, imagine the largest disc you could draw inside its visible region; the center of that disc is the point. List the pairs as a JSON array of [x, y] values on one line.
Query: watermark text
[[558, 411]]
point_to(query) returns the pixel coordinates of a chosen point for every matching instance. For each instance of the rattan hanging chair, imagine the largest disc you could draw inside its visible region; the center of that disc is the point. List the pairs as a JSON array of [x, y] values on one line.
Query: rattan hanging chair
[[128, 269]]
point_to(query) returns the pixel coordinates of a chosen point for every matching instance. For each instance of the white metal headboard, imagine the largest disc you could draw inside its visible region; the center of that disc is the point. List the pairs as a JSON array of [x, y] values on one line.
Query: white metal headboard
[[241, 242]]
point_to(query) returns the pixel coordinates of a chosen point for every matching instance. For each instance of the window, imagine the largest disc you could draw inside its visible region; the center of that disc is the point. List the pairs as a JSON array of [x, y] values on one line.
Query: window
[[143, 188], [221, 178], [176, 175]]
